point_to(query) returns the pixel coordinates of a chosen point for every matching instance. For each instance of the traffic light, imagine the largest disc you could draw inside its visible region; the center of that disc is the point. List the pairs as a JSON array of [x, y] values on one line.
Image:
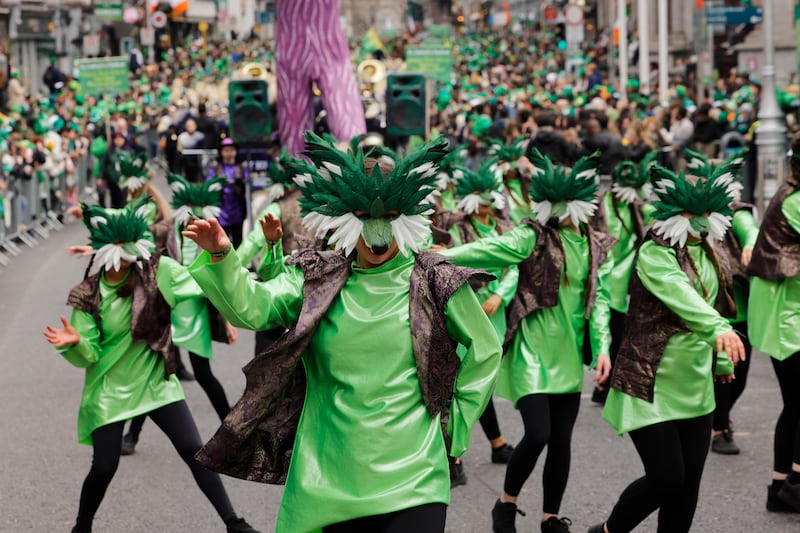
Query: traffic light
[[405, 105], [248, 108]]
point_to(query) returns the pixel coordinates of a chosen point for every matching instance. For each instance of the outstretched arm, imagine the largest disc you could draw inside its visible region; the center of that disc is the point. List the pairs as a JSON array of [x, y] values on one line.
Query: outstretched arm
[[495, 252]]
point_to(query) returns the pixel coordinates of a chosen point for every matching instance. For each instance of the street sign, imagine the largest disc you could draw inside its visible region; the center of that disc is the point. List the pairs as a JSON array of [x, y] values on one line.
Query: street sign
[[733, 16], [108, 12], [573, 15], [108, 75], [158, 19], [435, 62]]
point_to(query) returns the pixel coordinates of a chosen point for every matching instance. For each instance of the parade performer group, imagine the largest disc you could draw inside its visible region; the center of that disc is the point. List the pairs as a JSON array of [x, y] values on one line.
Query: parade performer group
[[365, 438]]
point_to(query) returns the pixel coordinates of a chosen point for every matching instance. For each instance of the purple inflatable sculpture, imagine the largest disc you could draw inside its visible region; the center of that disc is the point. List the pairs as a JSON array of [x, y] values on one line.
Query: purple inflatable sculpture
[[310, 46]]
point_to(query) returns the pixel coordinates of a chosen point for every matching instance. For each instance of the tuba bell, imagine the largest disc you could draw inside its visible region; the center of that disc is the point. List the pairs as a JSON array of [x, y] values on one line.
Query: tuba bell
[[261, 72], [372, 75]]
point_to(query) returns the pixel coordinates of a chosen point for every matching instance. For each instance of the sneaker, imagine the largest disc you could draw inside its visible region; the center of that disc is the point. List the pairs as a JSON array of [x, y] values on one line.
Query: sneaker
[[459, 477], [599, 528], [239, 525], [501, 455], [723, 444], [128, 444], [599, 396], [789, 494], [556, 525], [775, 504], [184, 375], [503, 517]]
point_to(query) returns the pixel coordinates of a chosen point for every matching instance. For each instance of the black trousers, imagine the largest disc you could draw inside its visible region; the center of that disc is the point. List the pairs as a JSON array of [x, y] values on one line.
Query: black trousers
[[787, 430], [119, 197], [548, 420], [726, 394], [177, 423], [673, 454], [489, 423], [428, 518]]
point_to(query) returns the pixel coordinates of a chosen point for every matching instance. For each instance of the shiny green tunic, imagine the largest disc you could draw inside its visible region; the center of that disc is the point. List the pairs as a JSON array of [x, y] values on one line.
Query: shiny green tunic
[[518, 209], [684, 384], [365, 443], [545, 356], [773, 317], [505, 286], [191, 328], [123, 379], [745, 229], [623, 253]]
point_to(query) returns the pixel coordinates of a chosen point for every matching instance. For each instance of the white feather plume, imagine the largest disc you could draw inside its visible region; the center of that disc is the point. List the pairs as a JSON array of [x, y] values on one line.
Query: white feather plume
[[718, 225], [469, 204], [542, 210], [409, 232], [95, 221], [275, 192], [499, 200], [134, 183], [182, 215], [630, 195], [211, 211], [580, 211], [347, 229], [675, 229]]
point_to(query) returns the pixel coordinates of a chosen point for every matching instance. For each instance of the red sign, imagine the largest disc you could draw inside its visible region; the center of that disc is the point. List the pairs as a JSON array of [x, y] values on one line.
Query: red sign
[[550, 13]]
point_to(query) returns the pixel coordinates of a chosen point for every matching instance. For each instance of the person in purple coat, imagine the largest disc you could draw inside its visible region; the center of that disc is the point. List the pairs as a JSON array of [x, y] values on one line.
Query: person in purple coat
[[234, 206]]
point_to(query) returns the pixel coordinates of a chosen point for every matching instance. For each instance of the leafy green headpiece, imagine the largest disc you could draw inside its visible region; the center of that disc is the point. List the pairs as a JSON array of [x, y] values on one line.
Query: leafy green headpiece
[[119, 234], [195, 200], [699, 206], [390, 206], [483, 187], [132, 169], [508, 154], [631, 182], [556, 194]]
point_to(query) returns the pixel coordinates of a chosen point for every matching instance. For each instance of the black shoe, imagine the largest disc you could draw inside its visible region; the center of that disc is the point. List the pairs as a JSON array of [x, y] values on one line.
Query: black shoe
[[599, 396], [184, 375], [238, 525], [597, 529], [128, 444], [503, 517], [76, 530], [501, 455], [459, 477], [775, 504], [789, 494], [723, 444], [556, 525]]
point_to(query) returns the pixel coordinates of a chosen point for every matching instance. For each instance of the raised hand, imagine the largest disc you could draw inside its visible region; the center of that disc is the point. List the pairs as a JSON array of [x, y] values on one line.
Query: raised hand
[[208, 235], [65, 336], [79, 249], [271, 225]]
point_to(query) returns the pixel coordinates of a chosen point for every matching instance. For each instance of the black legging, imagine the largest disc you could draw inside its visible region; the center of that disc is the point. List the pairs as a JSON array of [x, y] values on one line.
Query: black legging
[[726, 394], [787, 430], [209, 383], [428, 518], [548, 420], [489, 423], [177, 423], [673, 454]]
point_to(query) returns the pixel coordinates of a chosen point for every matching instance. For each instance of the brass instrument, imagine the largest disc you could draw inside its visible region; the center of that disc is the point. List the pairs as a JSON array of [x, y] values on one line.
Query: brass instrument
[[261, 72], [372, 74]]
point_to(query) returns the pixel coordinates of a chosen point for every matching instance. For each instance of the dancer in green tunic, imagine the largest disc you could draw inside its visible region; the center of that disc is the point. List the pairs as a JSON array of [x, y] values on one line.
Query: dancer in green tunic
[[662, 385], [621, 214], [515, 175], [561, 293], [348, 408], [481, 202], [119, 332], [774, 320]]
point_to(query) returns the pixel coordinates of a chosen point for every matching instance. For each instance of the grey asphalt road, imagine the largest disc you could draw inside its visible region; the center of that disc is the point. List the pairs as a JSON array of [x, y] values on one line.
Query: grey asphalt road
[[42, 466]]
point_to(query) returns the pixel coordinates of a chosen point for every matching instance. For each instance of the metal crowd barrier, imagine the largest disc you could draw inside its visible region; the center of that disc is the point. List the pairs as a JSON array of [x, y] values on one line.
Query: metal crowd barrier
[[31, 209]]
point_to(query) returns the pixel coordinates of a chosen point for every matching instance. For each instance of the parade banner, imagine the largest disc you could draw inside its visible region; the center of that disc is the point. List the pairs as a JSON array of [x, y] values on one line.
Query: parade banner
[[108, 12], [435, 62], [108, 75]]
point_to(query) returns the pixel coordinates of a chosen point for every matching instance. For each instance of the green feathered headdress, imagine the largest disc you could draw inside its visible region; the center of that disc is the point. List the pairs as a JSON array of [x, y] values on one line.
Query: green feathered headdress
[[118, 234], [508, 154], [699, 207], [390, 206], [132, 169], [483, 187], [631, 182], [449, 167], [195, 200], [556, 194]]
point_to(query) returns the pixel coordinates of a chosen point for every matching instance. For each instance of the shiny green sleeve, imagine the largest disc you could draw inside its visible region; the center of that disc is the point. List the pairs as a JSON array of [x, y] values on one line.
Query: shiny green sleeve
[[468, 325], [791, 210], [255, 242], [453, 231], [495, 252], [175, 282], [245, 302], [507, 287], [87, 351], [271, 264], [599, 331], [745, 228], [647, 214], [660, 273]]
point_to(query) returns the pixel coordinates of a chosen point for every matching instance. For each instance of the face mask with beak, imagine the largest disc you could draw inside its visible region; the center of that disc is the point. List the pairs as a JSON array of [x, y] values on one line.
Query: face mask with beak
[[355, 196], [118, 235]]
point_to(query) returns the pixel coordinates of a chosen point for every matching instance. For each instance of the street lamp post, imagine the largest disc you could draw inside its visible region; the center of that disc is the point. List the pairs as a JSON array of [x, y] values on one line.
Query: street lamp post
[[771, 130]]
